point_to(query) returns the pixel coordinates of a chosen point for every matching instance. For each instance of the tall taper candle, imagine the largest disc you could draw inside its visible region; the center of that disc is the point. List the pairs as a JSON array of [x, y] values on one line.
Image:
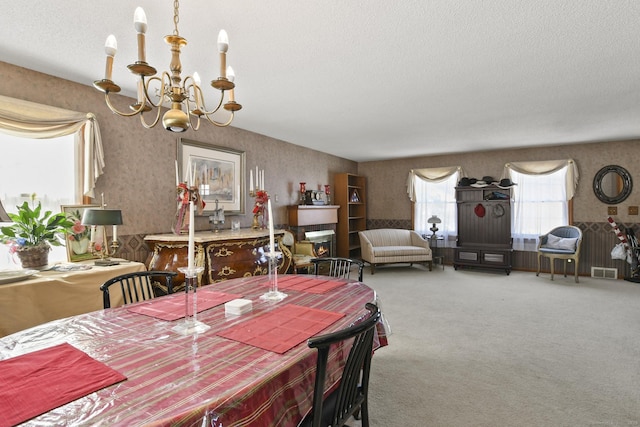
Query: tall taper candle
[[177, 175], [272, 248], [250, 179], [191, 236]]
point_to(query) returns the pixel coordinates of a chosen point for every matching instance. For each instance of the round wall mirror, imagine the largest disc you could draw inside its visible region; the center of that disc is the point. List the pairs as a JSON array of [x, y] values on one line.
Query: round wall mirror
[[612, 184]]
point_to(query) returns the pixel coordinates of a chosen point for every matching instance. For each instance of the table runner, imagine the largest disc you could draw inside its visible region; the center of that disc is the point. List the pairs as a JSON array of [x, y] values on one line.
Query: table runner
[[173, 306], [314, 285], [37, 382], [283, 328]]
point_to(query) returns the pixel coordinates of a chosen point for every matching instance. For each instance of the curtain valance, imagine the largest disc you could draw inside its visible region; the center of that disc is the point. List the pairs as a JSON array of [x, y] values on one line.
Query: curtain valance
[[545, 167], [430, 174], [31, 120]]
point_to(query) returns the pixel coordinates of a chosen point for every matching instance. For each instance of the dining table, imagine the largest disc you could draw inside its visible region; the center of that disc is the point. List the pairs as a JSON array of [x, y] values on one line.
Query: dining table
[[249, 369]]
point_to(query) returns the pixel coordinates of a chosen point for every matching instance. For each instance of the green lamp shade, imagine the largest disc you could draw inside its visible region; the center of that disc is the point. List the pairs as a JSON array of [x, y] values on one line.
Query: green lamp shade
[[102, 217]]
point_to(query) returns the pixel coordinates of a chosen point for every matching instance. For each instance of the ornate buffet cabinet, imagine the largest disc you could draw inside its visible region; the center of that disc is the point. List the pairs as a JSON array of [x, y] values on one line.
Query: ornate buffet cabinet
[[224, 255], [484, 228]]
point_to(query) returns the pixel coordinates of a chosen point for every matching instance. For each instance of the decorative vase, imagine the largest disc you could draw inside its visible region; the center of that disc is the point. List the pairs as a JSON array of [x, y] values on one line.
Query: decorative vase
[[80, 247], [34, 256]]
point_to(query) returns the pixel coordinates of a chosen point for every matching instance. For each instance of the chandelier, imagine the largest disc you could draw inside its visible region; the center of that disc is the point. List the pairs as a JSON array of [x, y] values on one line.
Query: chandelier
[[184, 96]]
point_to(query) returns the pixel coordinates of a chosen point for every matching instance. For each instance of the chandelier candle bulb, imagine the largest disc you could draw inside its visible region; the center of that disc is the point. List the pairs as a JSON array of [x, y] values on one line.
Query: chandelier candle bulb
[[110, 48], [231, 75], [196, 89], [115, 233], [140, 92], [140, 24], [223, 46]]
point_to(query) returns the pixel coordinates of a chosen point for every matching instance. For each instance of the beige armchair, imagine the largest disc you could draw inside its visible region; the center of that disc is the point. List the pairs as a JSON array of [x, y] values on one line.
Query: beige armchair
[[301, 252]]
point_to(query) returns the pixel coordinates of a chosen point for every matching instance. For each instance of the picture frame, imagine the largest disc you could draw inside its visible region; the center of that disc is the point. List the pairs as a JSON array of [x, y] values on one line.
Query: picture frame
[[217, 171], [78, 243]]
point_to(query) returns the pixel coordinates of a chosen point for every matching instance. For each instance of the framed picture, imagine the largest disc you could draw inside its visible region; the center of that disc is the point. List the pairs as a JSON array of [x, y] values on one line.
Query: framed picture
[[79, 242], [218, 172]]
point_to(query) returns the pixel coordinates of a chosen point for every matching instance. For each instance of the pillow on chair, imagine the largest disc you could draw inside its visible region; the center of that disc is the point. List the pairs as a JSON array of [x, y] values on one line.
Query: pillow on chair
[[565, 243]]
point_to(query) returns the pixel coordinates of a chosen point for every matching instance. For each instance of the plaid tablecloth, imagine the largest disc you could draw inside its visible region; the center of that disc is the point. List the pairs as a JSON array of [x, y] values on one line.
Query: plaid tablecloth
[[177, 380]]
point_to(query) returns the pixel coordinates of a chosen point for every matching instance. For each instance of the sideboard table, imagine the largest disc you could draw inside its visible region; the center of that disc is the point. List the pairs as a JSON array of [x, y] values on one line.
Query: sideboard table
[[226, 254]]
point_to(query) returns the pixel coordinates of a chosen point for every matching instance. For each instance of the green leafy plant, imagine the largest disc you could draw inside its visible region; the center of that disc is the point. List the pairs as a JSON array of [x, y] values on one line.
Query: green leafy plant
[[32, 227]]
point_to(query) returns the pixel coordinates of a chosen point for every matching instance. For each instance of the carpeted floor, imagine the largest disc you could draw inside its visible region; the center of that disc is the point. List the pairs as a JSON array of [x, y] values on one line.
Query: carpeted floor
[[480, 348]]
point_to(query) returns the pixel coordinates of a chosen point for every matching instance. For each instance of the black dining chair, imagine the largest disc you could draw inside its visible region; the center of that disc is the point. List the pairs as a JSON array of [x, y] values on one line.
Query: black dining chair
[[139, 286], [350, 398], [337, 267]]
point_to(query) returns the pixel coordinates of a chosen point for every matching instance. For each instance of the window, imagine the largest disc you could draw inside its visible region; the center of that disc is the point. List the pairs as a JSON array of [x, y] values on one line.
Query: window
[[436, 197], [541, 200], [45, 167], [77, 153]]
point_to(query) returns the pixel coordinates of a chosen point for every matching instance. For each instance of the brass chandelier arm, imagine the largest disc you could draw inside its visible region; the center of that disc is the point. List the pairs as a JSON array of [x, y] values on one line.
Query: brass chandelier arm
[[138, 110], [155, 121], [220, 124], [200, 106], [163, 89]]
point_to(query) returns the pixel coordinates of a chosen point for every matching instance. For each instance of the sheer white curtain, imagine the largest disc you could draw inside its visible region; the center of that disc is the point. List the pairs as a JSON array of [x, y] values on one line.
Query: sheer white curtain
[[433, 193], [541, 198]]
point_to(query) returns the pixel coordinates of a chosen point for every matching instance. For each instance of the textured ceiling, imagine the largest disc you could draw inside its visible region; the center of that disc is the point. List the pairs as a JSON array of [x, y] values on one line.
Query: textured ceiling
[[368, 80]]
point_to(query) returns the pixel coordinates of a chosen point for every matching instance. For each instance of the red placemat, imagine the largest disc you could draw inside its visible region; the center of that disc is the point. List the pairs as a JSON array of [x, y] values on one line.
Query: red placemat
[[313, 285], [37, 382], [173, 306], [283, 328]]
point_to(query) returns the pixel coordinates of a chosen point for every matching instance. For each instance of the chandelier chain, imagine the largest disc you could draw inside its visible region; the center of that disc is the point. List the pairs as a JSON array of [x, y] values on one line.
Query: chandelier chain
[[176, 17]]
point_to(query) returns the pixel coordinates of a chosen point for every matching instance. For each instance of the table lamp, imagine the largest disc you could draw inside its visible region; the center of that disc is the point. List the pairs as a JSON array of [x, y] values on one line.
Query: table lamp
[[103, 217], [433, 221]]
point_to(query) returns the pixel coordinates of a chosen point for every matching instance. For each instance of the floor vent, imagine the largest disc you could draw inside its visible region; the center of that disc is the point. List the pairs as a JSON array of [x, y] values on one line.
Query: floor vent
[[604, 273]]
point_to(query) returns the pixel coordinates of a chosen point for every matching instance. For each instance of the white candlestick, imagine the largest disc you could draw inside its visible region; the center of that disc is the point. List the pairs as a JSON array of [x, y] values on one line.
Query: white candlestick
[[250, 179], [115, 233], [177, 175], [93, 233], [191, 236], [272, 248], [262, 179], [257, 179], [187, 175]]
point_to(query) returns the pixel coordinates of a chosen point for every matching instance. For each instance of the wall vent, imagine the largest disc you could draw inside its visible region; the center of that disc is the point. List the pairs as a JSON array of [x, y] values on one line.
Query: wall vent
[[604, 273]]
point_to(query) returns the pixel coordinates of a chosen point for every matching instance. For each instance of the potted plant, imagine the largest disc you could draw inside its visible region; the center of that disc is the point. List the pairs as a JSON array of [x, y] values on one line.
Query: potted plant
[[33, 232]]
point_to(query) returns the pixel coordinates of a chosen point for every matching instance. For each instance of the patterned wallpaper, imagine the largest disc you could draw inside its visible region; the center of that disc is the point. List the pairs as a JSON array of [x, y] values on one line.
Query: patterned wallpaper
[[139, 176]]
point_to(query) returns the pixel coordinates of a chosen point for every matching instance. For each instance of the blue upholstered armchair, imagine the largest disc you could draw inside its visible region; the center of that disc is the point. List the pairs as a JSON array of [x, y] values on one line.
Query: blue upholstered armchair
[[561, 243]]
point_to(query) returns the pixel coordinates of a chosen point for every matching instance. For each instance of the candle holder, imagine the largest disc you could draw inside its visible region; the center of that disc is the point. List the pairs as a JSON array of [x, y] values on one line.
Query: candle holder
[[259, 209], [303, 191], [190, 324], [273, 295], [327, 192]]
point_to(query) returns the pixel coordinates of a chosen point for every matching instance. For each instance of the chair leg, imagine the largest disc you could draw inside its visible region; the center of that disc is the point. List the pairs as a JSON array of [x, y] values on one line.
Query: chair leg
[[576, 270], [364, 412], [565, 268], [538, 272], [373, 268], [552, 262]]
